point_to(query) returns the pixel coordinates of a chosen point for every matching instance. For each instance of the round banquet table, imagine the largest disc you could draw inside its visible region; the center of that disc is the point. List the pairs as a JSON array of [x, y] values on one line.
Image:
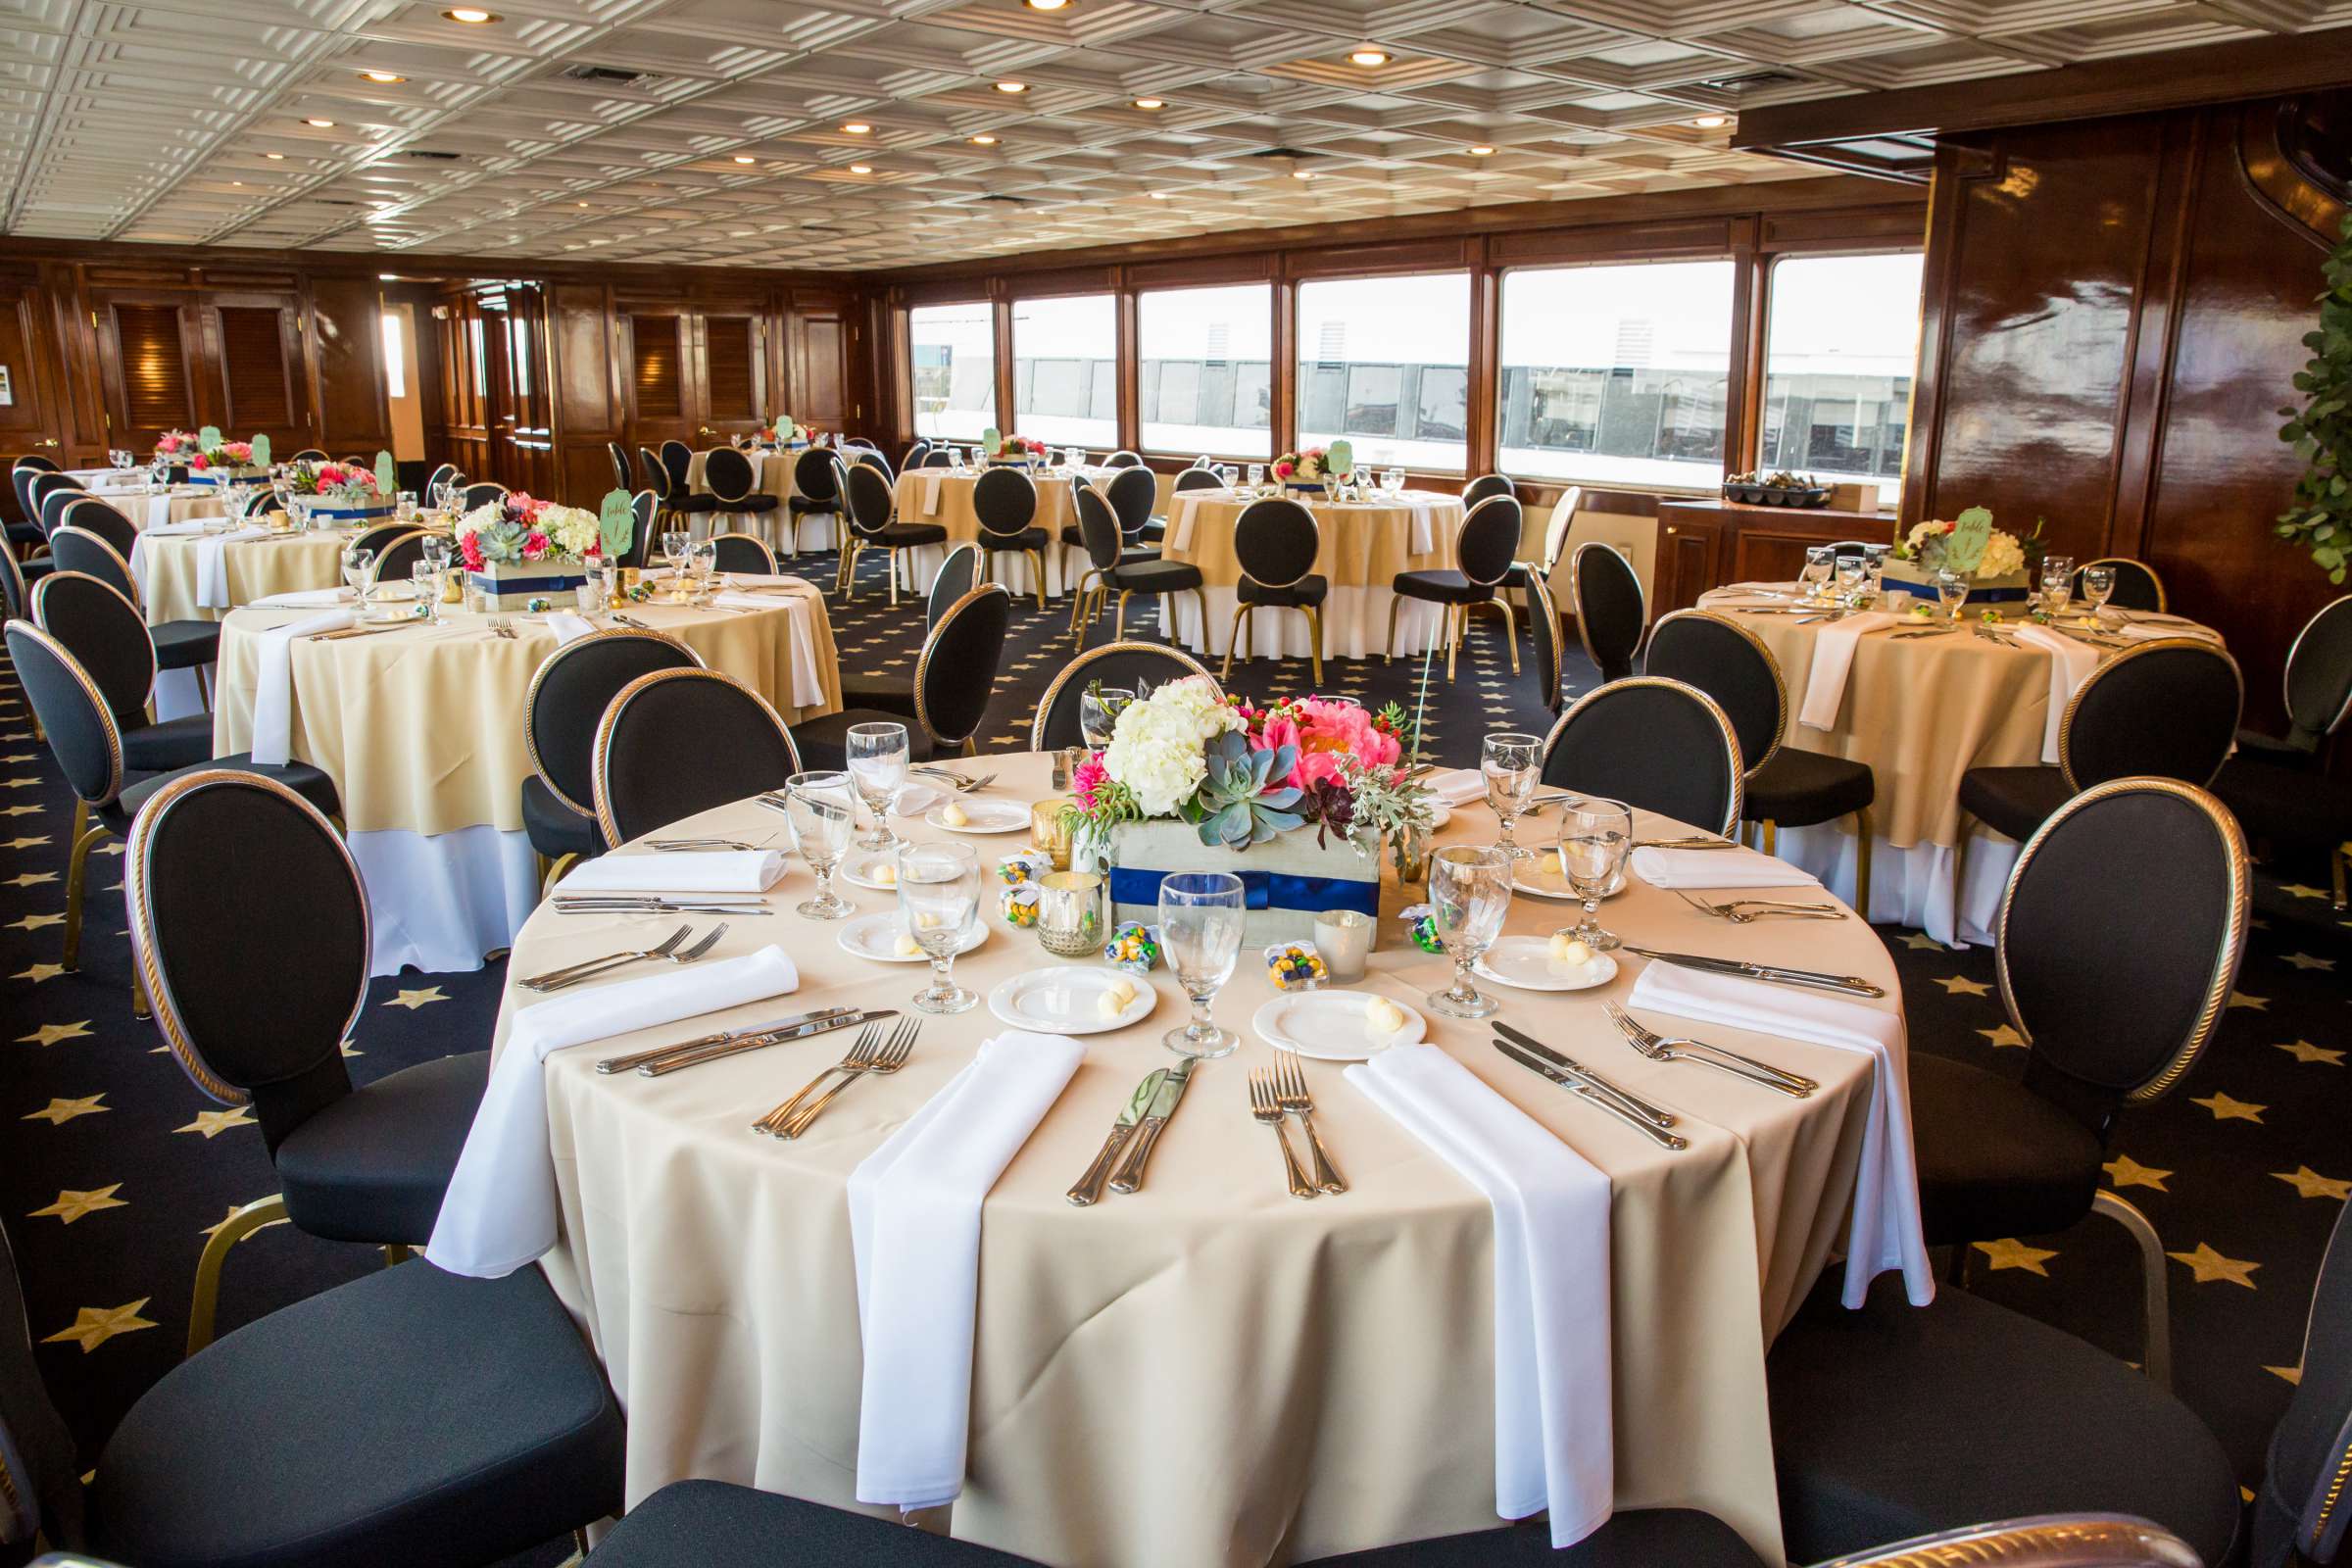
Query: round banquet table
[[1365, 545], [253, 564], [1920, 711], [422, 731], [771, 474], [149, 506], [944, 496], [1209, 1371]]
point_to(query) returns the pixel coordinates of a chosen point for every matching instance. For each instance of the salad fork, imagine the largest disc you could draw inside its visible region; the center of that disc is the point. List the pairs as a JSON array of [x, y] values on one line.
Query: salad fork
[[564, 975], [1265, 1104], [1290, 1093], [1741, 912], [682, 955], [880, 1063], [1681, 1048]]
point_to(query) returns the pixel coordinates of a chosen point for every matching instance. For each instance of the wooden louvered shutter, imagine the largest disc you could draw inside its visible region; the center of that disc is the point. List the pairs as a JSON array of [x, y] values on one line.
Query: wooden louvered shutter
[[252, 365], [155, 367], [728, 355], [654, 341]]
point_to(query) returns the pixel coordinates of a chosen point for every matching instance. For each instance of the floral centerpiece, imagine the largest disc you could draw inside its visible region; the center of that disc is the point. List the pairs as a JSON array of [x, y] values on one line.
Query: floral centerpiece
[[207, 457], [1018, 449], [1304, 470], [1193, 781], [519, 548], [2000, 568], [336, 492], [785, 431]]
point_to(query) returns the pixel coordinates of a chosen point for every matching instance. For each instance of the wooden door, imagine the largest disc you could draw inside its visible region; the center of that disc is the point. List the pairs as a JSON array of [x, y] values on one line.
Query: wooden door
[[521, 431], [732, 395], [34, 417], [821, 369], [150, 359]]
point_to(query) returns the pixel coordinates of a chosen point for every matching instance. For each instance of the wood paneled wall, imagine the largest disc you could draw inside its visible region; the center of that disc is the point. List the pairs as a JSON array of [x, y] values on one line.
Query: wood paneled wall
[[2114, 311]]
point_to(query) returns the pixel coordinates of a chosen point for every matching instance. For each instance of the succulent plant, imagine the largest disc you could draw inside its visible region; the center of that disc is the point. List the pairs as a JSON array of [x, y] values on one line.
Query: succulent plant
[[1239, 803]]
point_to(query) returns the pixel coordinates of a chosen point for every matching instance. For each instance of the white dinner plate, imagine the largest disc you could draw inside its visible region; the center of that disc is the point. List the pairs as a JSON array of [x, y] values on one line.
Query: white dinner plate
[[982, 816], [1540, 877], [876, 937], [1061, 999], [1526, 962], [1330, 1025], [859, 866]]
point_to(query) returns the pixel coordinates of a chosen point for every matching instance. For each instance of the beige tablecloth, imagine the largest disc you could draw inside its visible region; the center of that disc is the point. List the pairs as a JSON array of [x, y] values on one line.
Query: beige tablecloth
[[771, 474], [1209, 1372], [147, 508], [422, 730], [256, 569]]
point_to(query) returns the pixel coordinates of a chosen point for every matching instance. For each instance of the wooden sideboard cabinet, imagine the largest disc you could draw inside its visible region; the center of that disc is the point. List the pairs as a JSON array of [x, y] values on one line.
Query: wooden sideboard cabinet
[[1704, 544]]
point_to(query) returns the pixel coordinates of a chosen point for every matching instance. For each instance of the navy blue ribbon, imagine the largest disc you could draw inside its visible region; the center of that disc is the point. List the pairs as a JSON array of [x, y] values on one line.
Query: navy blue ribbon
[[1263, 890]]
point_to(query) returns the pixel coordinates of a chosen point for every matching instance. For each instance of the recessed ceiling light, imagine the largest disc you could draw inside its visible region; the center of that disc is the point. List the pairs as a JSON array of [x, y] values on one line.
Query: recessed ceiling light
[[385, 76], [1370, 57], [858, 128], [472, 14], [583, 204], [236, 182], [1712, 121], [983, 140], [276, 158], [1159, 195], [322, 124], [1151, 103], [1481, 152], [861, 169], [1012, 86], [744, 158], [1046, 5], [1303, 174]]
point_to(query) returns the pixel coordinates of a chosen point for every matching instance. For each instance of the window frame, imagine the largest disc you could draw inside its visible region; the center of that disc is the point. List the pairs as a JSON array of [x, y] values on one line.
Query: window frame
[[1008, 385], [1468, 276], [1763, 365], [1132, 373], [1000, 365]]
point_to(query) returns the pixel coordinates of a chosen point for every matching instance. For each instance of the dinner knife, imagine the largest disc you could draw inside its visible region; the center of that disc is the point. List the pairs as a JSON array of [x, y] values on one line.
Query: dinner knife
[[1130, 1175], [1852, 984], [640, 1058], [1658, 1135], [757, 1042], [1089, 1187], [1640, 1108]]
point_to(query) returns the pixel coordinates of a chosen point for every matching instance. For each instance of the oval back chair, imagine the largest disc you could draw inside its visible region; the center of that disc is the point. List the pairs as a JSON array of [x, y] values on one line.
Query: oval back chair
[[2300, 1504], [34, 460], [2136, 585], [443, 473], [1135, 666], [1610, 608], [619, 454], [308, 455], [1197, 479], [52, 494], [1543, 634], [2317, 680], [1488, 484], [1132, 492], [958, 573], [483, 494], [1004, 502], [871, 457], [567, 697], [2166, 709], [1657, 745], [80, 550], [398, 558], [956, 673], [1124, 459], [1730, 663], [937, 457], [106, 634], [645, 516], [94, 516], [744, 553], [740, 745], [1276, 542]]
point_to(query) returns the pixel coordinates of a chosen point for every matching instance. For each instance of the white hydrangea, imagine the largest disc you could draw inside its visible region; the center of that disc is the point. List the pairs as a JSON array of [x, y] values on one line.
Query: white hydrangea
[[575, 530], [1156, 748], [2003, 555]]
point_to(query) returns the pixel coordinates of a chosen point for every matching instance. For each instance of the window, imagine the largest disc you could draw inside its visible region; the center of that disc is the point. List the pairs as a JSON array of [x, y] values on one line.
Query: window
[[1617, 375], [1383, 362], [1065, 369], [1840, 344], [396, 357], [953, 347], [1207, 369]]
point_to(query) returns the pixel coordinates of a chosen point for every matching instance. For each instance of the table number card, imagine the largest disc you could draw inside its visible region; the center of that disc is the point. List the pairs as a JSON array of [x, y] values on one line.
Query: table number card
[[261, 452], [208, 439], [1971, 532], [387, 476], [616, 526]]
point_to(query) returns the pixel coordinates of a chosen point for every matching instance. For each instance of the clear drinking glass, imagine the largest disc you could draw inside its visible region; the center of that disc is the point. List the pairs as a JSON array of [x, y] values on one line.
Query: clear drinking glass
[[821, 809], [357, 561], [2057, 585], [1258, 475], [1228, 476], [1852, 572], [1393, 481], [1821, 562], [427, 578], [1595, 837], [1951, 588], [404, 505], [1510, 761], [1201, 932], [443, 490], [675, 543], [939, 898], [955, 463], [1099, 711], [436, 550], [702, 564], [1874, 562], [2098, 586], [1469, 893], [877, 759]]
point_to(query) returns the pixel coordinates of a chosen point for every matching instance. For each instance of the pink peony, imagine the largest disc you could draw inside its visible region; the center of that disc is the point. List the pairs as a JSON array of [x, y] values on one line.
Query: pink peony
[[536, 544], [197, 464], [1324, 732], [1087, 778]]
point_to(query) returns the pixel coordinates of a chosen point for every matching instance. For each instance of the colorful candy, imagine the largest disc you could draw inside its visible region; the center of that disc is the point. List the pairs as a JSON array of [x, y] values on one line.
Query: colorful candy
[[1295, 966], [1421, 925], [1134, 947], [1026, 866], [1019, 903]]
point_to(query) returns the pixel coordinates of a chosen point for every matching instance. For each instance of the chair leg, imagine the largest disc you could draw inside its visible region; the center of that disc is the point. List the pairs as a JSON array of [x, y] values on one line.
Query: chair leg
[[1037, 563], [1388, 647], [1451, 631], [2156, 1354], [1233, 637], [2343, 851], [556, 869], [207, 1297], [1771, 832], [87, 835], [1314, 645], [139, 1008], [1862, 864], [1959, 875], [395, 1254], [1200, 598], [891, 560], [1118, 629]]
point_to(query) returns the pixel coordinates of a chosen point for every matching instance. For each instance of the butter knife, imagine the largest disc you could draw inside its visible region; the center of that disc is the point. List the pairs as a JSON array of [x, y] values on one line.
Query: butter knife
[[1851, 984], [1657, 1135], [638, 1058], [1130, 1174], [737, 1046], [1640, 1108], [1089, 1187]]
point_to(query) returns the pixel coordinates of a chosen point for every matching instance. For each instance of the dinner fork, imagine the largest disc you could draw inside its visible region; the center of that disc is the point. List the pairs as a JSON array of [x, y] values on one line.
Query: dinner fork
[[1743, 912], [682, 955], [1289, 1091], [1682, 1047], [1265, 1104], [586, 967], [883, 1060]]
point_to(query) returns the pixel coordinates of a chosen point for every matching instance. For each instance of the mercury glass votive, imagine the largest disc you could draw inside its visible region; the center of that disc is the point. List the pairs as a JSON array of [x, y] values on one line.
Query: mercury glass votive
[[1050, 829], [1073, 912], [1344, 939]]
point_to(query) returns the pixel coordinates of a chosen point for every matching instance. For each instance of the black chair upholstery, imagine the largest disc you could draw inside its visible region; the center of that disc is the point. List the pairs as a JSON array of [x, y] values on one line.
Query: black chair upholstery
[[744, 553], [619, 456], [915, 453], [399, 557], [954, 679], [375, 539], [179, 644], [92, 514], [645, 513], [1124, 459], [1134, 665], [308, 455], [483, 494], [105, 632], [1555, 542], [894, 694], [651, 474], [2274, 783], [51, 494], [569, 693], [1488, 484], [1276, 542], [691, 1524], [37, 463], [727, 474], [1882, 1428], [872, 458], [16, 580], [2136, 585], [1483, 547], [1133, 491], [1641, 1538], [2298, 1507], [815, 489], [1005, 503], [1110, 566], [1197, 479], [740, 742], [1610, 609], [873, 525], [937, 457], [1543, 634], [442, 472], [1657, 745]]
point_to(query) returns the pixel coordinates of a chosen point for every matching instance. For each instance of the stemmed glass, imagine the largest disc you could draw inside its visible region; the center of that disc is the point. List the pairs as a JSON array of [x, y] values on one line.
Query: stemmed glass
[[1510, 761], [442, 491], [437, 549], [820, 809], [701, 564], [1469, 892], [356, 559], [1099, 711], [1852, 572], [1820, 563], [675, 544], [2057, 585], [939, 898], [1201, 932], [427, 578], [1258, 476], [1952, 587], [877, 756], [1393, 481], [1595, 837], [2098, 586]]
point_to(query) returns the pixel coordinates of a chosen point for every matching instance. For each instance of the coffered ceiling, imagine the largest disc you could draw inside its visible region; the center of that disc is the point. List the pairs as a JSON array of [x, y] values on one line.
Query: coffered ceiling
[[717, 132]]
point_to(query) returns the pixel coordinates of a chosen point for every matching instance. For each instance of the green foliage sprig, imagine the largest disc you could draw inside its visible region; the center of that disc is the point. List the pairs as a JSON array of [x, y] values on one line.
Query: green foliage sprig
[[2320, 518]]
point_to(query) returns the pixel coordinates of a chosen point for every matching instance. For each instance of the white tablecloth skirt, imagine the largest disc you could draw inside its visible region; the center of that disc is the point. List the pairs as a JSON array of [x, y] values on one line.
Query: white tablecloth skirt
[[1007, 567], [1910, 887], [816, 529], [1355, 621], [440, 902]]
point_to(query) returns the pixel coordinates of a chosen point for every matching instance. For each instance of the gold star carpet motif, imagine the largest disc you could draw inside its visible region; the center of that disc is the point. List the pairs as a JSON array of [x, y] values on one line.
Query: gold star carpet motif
[[58, 1112], [2003, 1035], [2305, 1052], [2304, 960], [2210, 1266], [213, 1123], [26, 843], [2014, 1253], [49, 1034], [412, 999], [2238, 999], [2124, 1171], [2299, 890], [93, 1326], [2224, 1108], [35, 923], [72, 1206], [2311, 1183], [1921, 942], [40, 972], [1960, 985], [31, 879]]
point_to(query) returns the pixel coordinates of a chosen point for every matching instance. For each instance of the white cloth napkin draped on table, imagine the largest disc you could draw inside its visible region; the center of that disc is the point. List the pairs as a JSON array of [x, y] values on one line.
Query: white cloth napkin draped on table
[[1458, 786], [914, 1233], [304, 598], [570, 626], [799, 631], [1181, 510], [1717, 868], [1424, 538], [715, 871], [1554, 1441], [2070, 665], [273, 684], [1832, 661], [138, 546], [212, 565], [500, 1208], [1886, 1232], [926, 489], [2153, 630]]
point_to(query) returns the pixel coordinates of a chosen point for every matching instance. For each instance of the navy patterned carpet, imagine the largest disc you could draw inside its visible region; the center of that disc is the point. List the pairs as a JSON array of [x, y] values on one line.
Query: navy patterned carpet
[[116, 1168]]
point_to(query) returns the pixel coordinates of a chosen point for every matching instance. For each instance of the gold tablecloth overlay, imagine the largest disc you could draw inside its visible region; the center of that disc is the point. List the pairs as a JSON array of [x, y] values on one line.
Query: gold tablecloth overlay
[[256, 569], [952, 508], [1209, 1371], [422, 730], [1365, 544]]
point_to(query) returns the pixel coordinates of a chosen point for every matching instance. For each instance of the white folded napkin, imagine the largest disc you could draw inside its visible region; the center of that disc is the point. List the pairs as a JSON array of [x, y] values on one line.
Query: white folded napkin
[[1555, 1442], [2070, 665], [177, 530], [914, 1233], [1180, 518], [1717, 868], [719, 871], [273, 684], [913, 799], [749, 601], [1832, 661], [1424, 538], [926, 489], [500, 1208], [570, 626], [1886, 1231], [2148, 631], [212, 565], [1458, 786], [304, 598]]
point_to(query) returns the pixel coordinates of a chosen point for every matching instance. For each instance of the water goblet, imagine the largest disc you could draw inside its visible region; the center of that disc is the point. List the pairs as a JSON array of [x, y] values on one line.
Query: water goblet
[[2098, 586], [675, 543], [701, 564], [1099, 711], [939, 898], [437, 549], [1852, 571], [1821, 562], [1258, 475], [877, 756], [1595, 837], [358, 559], [427, 578], [2057, 585], [1510, 761], [1469, 892], [1952, 589], [404, 506], [821, 809], [1201, 932], [955, 463], [1874, 563], [1393, 481], [1228, 476]]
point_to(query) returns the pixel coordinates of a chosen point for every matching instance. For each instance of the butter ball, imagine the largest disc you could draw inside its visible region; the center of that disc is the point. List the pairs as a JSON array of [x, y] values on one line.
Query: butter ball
[[1383, 1017], [909, 947], [953, 816], [887, 874]]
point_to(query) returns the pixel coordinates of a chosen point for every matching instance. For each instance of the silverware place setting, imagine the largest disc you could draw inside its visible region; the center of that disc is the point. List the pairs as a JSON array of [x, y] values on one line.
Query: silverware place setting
[[1265, 1104], [872, 1054], [589, 969], [704, 846], [964, 783], [660, 1059], [1585, 1085], [1129, 1177], [1087, 1189], [1681, 1048], [1696, 841], [1741, 912], [1291, 1094], [1779, 974], [682, 904], [1930, 631]]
